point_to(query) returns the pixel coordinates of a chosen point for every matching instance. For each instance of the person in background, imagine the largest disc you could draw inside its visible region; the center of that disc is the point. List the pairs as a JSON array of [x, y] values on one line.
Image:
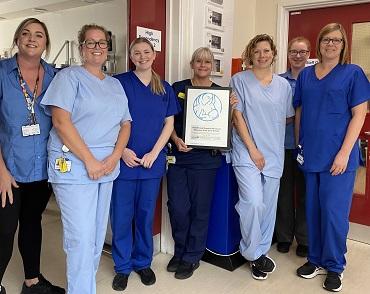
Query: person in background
[[152, 105], [191, 179], [91, 127], [24, 131], [265, 103], [331, 101], [291, 214]]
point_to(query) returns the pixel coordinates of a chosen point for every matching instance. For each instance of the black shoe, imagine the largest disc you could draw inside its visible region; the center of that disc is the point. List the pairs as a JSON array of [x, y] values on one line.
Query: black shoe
[[257, 274], [185, 270], [120, 282], [173, 264], [264, 264], [42, 287], [309, 271], [147, 276], [302, 250], [2, 291], [283, 247], [333, 282]]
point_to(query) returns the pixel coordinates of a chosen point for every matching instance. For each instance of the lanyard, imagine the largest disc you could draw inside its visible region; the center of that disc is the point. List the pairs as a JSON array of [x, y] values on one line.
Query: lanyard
[[30, 101]]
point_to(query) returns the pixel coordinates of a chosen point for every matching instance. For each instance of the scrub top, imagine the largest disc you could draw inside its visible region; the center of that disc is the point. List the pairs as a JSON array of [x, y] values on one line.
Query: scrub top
[[289, 142], [97, 108], [265, 109], [24, 157], [326, 113], [196, 158], [148, 113]]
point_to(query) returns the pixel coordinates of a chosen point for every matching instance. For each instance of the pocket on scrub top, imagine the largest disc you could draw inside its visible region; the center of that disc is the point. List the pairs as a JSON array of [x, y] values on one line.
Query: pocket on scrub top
[[336, 101]]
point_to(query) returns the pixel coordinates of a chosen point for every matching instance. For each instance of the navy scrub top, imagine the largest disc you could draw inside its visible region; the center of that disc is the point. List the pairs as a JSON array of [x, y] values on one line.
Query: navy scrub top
[[196, 158], [148, 112], [326, 113]]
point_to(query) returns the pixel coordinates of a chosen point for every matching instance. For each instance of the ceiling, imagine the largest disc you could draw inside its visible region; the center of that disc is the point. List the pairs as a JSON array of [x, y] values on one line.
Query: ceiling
[[10, 9]]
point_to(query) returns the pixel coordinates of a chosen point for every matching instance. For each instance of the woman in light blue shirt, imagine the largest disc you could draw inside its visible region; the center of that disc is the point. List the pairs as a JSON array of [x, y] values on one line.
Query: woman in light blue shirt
[[24, 131], [91, 127]]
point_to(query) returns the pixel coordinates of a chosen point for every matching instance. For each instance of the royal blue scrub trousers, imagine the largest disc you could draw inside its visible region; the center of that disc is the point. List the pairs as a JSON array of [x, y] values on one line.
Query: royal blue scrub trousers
[[328, 203], [132, 213], [190, 193], [85, 212], [257, 203]]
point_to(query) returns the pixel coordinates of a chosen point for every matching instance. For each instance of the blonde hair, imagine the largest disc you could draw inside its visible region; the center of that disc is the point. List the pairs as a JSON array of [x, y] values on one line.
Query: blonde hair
[[203, 53], [331, 27], [247, 55], [27, 22], [156, 85], [299, 40]]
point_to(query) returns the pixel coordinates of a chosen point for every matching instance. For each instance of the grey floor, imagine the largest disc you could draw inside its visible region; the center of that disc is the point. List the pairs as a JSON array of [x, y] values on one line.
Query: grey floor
[[207, 279]]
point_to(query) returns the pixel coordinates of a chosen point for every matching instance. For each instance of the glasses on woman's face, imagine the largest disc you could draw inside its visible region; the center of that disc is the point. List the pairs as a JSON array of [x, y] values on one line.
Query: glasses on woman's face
[[335, 41], [91, 44], [296, 52]]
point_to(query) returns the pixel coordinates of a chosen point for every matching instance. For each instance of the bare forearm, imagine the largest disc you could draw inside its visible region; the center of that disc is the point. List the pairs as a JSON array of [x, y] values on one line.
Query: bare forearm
[[123, 137], [165, 135], [242, 129], [2, 162], [297, 122]]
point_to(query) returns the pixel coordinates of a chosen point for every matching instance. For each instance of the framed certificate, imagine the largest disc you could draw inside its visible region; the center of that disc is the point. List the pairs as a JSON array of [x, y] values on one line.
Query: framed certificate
[[207, 118]]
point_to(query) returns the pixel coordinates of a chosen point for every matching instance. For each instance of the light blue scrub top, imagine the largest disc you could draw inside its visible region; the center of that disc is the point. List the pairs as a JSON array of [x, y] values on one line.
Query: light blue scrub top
[[97, 108], [24, 157], [326, 113], [265, 109]]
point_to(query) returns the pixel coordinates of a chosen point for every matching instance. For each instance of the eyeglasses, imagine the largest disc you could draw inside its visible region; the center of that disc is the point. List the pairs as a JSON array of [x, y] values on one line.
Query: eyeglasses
[[91, 44], [335, 41], [296, 52]]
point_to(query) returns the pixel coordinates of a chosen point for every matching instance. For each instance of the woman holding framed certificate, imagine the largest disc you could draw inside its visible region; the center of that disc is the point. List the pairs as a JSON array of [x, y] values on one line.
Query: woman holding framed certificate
[[265, 102]]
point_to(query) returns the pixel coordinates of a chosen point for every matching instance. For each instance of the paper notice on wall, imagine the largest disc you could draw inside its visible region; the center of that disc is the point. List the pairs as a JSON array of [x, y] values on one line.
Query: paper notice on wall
[[154, 36], [311, 61]]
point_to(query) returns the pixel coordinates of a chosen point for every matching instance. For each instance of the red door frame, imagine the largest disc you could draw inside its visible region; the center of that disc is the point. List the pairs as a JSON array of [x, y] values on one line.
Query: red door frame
[[150, 14], [308, 23]]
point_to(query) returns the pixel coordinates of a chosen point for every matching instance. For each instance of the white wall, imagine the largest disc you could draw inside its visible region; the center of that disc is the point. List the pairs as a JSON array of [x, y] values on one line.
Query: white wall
[[64, 25]]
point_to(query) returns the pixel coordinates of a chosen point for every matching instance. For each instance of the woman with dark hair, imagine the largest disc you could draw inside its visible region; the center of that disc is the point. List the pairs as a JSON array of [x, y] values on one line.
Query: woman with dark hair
[[152, 105], [331, 101], [91, 127], [265, 102], [24, 131]]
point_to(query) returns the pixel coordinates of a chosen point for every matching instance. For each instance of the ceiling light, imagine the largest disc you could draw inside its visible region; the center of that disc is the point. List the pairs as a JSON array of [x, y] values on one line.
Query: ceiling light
[[39, 10]]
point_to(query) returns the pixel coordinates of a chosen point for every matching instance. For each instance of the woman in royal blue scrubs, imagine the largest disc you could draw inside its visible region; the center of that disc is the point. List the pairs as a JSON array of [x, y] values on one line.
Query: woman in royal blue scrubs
[[331, 101], [152, 105]]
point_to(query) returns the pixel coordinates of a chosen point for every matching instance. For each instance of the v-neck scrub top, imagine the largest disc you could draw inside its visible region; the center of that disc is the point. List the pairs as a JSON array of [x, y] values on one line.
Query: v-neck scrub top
[[24, 157], [97, 108], [148, 112], [265, 109], [326, 113]]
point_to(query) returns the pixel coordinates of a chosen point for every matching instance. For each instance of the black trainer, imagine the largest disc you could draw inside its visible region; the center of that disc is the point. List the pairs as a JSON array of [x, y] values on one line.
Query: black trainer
[[185, 270], [257, 274], [264, 264], [302, 250], [333, 282], [120, 282], [283, 247], [43, 286], [147, 276], [173, 264], [2, 290], [309, 270]]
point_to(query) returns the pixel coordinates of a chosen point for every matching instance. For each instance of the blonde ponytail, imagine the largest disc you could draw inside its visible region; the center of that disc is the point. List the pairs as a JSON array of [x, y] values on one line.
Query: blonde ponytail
[[156, 84]]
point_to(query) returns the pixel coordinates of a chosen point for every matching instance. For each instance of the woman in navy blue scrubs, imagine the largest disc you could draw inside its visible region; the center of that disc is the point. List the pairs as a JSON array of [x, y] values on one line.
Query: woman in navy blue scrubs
[[331, 101], [152, 106], [190, 180]]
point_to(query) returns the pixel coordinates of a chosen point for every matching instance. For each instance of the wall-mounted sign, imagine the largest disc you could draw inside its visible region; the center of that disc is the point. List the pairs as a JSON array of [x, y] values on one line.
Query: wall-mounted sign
[[154, 36]]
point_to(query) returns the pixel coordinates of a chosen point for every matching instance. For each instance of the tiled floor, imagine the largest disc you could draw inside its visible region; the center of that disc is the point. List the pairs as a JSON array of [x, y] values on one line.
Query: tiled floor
[[207, 279]]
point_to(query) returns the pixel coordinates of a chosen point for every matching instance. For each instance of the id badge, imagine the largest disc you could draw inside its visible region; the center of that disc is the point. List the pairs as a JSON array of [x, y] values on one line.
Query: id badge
[[171, 159], [62, 164], [300, 158], [30, 130]]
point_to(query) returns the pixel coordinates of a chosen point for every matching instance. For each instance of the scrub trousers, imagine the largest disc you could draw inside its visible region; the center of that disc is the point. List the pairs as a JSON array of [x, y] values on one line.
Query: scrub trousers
[[85, 210], [29, 202], [327, 208], [291, 207], [132, 213], [190, 193], [257, 203]]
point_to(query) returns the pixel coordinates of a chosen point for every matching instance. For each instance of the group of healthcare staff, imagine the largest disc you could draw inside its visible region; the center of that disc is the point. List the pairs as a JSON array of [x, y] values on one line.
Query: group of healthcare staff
[[133, 116]]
